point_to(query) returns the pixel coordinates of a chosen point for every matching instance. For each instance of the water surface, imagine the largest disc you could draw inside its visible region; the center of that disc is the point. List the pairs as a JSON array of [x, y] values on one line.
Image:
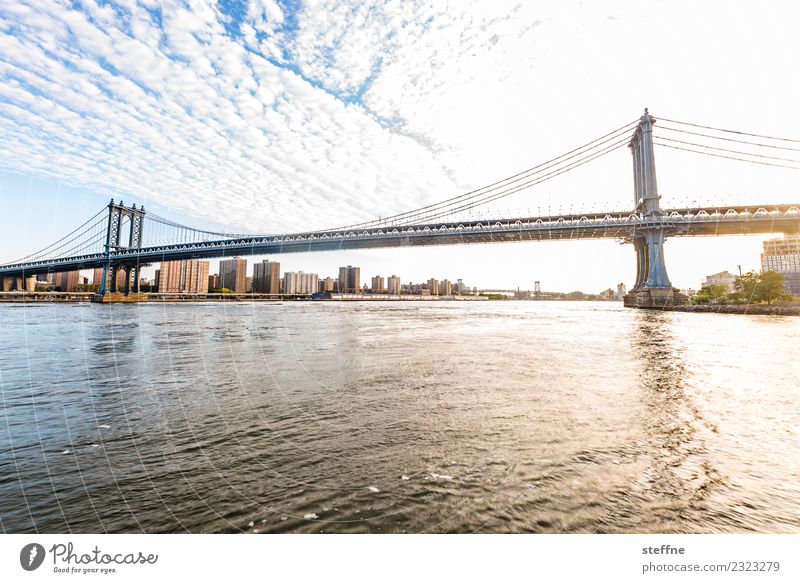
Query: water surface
[[394, 417]]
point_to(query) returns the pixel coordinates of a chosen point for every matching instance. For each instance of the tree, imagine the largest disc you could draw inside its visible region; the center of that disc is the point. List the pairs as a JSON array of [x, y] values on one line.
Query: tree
[[771, 286], [760, 287], [716, 292], [87, 287]]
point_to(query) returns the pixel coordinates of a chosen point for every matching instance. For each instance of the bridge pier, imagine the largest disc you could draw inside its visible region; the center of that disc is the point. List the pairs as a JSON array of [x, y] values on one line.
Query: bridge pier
[[652, 288], [109, 291], [119, 298]]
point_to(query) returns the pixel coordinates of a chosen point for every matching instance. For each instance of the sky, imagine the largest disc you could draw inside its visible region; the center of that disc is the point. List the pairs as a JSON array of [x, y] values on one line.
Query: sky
[[271, 117]]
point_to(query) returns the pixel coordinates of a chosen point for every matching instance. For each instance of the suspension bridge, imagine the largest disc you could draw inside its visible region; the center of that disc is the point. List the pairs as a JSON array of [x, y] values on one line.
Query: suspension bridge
[[124, 239]]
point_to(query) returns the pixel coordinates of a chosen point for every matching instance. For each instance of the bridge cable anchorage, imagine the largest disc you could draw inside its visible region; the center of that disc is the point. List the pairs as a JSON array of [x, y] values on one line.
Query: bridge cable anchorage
[[476, 193], [713, 137], [728, 157], [727, 150], [686, 123]]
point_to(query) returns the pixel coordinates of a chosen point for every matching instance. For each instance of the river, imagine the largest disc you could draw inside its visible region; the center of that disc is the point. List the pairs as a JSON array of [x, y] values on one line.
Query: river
[[574, 417]]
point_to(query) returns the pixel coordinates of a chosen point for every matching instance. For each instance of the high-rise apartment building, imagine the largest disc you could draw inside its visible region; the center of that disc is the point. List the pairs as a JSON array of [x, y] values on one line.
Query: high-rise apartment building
[[783, 255], [349, 280], [433, 286], [213, 281], [377, 285], [233, 274], [327, 285], [185, 276], [97, 278], [297, 282], [68, 281], [393, 284], [445, 288], [267, 277]]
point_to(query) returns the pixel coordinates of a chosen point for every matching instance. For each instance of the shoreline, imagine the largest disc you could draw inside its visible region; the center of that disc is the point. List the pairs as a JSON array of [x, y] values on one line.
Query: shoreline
[[86, 297], [741, 309]]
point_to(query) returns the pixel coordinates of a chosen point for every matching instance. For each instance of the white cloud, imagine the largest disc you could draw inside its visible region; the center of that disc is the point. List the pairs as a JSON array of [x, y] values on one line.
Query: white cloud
[[338, 112]]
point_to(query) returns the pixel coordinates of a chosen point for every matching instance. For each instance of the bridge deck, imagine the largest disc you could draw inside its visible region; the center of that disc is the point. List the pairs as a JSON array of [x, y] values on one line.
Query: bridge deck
[[706, 221]]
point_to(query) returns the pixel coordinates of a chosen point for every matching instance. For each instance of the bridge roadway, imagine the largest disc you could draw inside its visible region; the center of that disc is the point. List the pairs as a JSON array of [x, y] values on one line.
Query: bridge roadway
[[699, 221]]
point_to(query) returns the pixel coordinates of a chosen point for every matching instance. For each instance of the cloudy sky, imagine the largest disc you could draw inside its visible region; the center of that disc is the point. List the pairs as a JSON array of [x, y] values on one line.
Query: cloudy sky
[[273, 116]]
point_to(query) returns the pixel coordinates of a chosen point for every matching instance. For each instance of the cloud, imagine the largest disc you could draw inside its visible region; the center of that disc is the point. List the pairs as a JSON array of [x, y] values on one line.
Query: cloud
[[286, 118], [292, 115]]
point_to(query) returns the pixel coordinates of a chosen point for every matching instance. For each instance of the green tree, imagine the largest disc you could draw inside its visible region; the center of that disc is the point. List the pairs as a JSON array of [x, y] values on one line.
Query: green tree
[[714, 292], [760, 287], [87, 287], [771, 287]]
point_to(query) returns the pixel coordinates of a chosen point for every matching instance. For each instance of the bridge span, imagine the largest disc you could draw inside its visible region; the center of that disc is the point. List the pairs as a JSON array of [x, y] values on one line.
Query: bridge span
[[122, 238]]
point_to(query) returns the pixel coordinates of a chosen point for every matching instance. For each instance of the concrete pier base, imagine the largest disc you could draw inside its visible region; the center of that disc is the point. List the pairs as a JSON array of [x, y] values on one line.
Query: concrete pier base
[[654, 298], [118, 297]]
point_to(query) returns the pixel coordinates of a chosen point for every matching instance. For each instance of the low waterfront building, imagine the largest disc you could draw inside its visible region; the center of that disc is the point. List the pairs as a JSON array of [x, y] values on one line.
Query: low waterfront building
[[722, 278]]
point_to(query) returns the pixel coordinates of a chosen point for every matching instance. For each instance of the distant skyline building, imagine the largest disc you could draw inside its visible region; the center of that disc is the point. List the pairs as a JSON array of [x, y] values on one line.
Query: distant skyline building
[[327, 285], [378, 284], [433, 286], [783, 255], [233, 274], [622, 291], [184, 276], [445, 288], [68, 281], [393, 285], [213, 281], [349, 280], [267, 277], [297, 282], [97, 277]]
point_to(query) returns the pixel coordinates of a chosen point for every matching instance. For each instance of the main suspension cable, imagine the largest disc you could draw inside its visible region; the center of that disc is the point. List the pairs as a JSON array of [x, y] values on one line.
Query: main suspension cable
[[525, 174], [728, 131], [722, 156], [726, 150]]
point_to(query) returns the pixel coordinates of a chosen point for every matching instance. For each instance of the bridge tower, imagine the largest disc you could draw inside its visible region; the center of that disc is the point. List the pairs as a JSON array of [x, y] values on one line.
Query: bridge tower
[[652, 288], [120, 216]]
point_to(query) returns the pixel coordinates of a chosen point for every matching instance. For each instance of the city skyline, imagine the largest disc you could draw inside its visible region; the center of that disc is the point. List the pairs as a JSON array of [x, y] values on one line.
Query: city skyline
[[275, 281]]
